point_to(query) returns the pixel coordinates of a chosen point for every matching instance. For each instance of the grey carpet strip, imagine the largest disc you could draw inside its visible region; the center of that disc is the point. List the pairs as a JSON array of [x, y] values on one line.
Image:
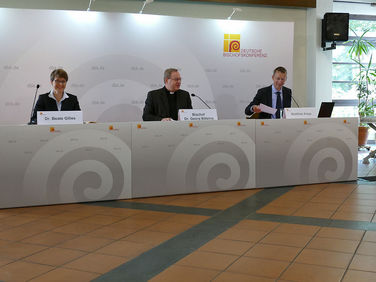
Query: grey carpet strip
[[154, 207], [154, 261], [322, 222]]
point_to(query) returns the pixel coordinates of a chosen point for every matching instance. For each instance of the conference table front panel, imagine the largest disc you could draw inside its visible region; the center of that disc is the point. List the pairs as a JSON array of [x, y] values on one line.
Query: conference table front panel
[[190, 157], [292, 152], [43, 165]]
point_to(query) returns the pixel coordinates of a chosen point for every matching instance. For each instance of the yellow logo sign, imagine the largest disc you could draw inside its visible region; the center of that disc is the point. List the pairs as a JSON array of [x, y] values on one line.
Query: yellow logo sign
[[231, 43]]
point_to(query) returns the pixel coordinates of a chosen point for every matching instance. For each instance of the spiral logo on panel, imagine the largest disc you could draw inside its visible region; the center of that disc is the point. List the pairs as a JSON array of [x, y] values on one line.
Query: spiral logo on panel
[[212, 158], [321, 153], [234, 46], [82, 165]]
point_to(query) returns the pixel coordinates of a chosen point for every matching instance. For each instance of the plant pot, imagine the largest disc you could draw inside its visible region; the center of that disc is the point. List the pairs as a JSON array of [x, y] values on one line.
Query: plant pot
[[362, 135]]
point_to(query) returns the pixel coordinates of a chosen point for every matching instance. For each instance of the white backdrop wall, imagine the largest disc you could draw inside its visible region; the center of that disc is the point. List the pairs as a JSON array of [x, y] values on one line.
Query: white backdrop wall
[[114, 59], [205, 10]]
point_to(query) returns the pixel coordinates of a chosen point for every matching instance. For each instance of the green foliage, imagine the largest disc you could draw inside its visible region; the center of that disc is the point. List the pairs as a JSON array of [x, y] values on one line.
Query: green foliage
[[365, 79]]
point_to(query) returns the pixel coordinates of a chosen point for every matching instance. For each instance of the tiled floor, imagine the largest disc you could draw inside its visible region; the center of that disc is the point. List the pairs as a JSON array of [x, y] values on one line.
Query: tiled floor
[[323, 232]]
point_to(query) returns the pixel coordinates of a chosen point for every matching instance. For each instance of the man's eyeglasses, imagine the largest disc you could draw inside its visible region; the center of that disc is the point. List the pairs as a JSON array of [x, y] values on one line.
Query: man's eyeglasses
[[60, 81], [176, 79]]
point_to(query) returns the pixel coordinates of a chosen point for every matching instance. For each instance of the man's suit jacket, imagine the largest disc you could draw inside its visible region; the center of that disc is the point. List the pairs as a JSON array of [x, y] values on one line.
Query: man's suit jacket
[[264, 96], [156, 104], [45, 103]]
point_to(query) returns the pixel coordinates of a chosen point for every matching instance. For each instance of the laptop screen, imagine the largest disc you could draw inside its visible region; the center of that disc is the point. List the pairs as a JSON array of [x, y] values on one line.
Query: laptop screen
[[326, 110]]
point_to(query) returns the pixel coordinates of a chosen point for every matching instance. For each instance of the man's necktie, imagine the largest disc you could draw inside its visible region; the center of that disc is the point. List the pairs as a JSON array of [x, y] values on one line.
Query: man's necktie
[[278, 105]]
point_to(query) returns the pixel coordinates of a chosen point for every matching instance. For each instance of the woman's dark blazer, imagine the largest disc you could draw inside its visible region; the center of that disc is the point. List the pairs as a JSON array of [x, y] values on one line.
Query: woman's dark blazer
[[46, 103]]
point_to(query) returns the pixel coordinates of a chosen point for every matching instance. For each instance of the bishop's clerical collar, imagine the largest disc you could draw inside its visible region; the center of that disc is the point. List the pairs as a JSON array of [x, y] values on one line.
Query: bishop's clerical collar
[[168, 91]]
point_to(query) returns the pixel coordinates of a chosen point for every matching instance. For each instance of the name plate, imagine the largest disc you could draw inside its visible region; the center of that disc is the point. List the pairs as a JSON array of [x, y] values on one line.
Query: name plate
[[198, 114], [59, 117], [292, 113]]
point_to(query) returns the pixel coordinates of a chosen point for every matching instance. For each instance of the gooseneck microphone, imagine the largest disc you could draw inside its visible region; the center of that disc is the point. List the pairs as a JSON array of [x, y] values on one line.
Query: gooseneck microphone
[[292, 97], [32, 108], [194, 95]]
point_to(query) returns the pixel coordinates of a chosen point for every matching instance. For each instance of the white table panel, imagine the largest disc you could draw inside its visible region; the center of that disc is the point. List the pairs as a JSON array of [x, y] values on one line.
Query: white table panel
[[292, 152], [72, 163], [175, 158]]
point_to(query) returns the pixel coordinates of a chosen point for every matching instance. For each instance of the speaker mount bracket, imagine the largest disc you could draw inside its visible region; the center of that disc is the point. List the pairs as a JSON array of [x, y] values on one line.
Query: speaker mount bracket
[[332, 46]]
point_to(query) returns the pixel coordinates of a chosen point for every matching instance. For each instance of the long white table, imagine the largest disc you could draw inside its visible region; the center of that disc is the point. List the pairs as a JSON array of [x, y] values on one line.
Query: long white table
[[43, 165]]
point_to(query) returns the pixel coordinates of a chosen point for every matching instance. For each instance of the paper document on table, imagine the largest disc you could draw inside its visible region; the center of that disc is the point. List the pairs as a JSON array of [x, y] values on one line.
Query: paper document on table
[[267, 109]]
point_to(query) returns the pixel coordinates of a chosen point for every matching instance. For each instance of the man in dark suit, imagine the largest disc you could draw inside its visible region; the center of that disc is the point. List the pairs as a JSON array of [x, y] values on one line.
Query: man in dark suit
[[276, 96], [163, 104], [57, 99]]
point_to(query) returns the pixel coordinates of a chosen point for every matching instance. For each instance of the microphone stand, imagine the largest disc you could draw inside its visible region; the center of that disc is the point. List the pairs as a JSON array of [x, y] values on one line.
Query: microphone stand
[[292, 97], [194, 95], [32, 108]]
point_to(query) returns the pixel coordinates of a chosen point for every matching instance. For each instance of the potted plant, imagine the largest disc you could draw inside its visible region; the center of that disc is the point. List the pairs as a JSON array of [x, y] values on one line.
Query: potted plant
[[359, 50]]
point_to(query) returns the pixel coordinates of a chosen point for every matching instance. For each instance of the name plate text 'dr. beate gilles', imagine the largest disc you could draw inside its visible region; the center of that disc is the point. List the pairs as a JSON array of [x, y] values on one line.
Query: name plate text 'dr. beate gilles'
[[198, 114], [59, 117], [292, 113]]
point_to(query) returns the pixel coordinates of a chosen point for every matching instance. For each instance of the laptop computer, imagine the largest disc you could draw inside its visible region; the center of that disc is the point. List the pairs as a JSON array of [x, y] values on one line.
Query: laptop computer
[[326, 110]]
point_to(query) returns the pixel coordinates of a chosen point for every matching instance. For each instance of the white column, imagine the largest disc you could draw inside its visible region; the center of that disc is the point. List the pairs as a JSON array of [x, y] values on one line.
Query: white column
[[319, 62]]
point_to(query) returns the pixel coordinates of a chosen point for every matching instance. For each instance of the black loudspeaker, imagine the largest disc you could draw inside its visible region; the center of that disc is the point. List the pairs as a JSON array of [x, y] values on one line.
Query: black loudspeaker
[[335, 27]]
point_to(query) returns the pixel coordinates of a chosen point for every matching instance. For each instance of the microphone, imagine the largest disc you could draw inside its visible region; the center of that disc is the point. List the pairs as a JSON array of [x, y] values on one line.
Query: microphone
[[292, 97], [32, 108], [194, 95]]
